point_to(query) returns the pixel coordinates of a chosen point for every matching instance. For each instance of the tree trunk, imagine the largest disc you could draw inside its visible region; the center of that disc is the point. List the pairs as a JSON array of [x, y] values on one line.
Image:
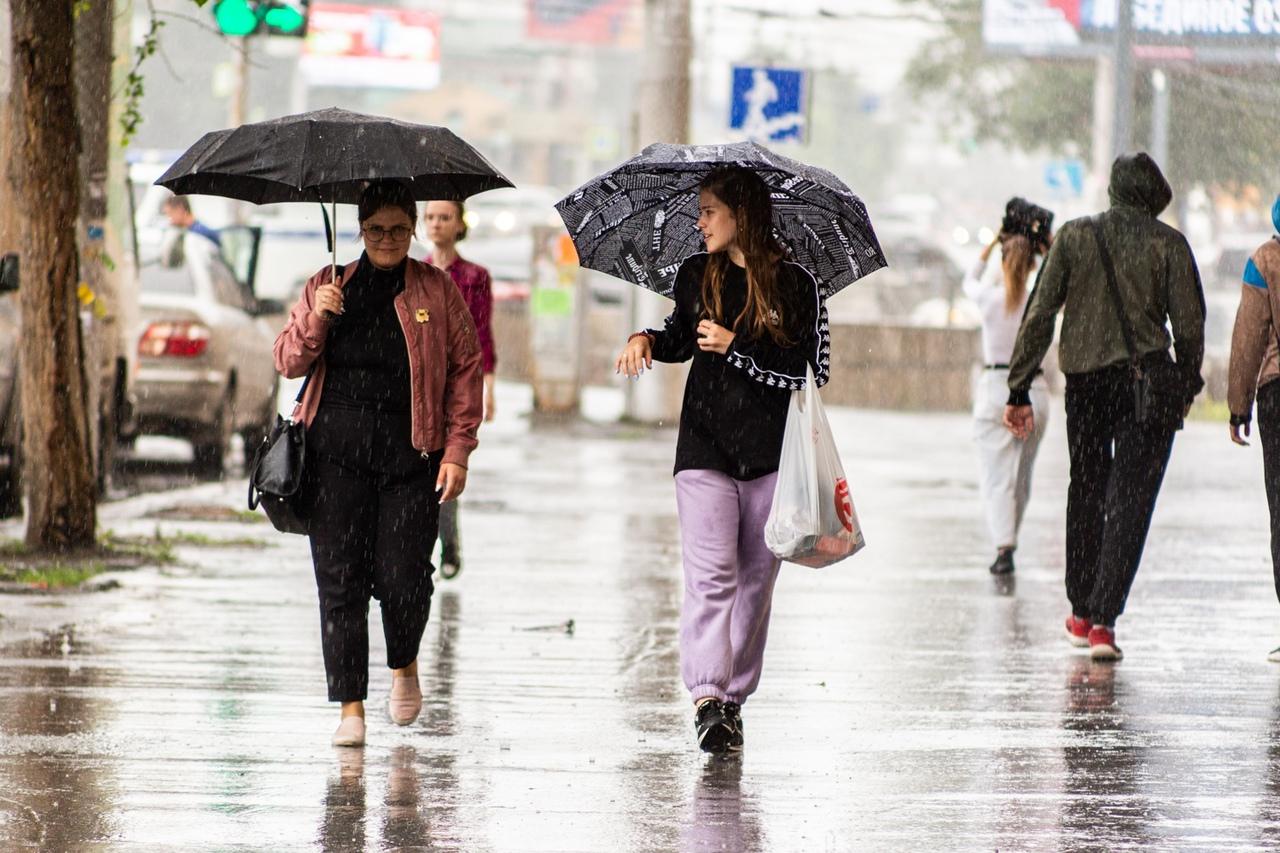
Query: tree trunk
[[93, 60], [61, 511]]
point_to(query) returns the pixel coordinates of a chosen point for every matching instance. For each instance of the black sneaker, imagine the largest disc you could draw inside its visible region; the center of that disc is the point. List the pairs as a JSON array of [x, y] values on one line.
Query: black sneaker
[[450, 564], [1003, 564], [733, 711], [715, 731]]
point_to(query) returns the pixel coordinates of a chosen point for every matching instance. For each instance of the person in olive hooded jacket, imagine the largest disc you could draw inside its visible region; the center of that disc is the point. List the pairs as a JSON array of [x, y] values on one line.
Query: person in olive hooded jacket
[[1255, 365], [1117, 462]]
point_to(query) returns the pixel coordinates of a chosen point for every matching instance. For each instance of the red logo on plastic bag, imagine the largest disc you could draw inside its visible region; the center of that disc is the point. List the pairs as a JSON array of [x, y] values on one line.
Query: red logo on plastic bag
[[844, 504]]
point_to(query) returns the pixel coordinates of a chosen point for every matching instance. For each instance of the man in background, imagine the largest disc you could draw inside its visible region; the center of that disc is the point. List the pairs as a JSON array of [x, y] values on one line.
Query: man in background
[[178, 209]]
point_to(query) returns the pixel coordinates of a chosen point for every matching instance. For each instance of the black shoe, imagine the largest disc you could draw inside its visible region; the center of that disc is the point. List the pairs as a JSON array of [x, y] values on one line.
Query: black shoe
[[1003, 564], [733, 711], [450, 565], [715, 731]]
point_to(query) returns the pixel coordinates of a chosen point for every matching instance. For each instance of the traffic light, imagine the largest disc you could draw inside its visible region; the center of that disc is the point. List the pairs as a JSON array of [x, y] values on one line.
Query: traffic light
[[266, 17]]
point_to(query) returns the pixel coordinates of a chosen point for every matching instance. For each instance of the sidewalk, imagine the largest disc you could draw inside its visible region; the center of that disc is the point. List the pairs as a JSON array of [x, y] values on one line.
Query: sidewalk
[[908, 702]]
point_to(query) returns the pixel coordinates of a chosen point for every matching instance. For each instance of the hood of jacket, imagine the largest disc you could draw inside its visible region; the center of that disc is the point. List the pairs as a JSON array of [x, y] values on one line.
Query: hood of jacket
[[1136, 181], [1275, 214]]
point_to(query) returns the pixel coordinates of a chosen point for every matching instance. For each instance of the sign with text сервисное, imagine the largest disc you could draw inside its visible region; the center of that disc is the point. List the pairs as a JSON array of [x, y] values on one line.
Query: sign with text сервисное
[[368, 46], [1221, 30]]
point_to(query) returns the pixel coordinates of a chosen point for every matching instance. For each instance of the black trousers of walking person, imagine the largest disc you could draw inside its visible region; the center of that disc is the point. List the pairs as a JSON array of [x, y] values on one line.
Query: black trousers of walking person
[[1117, 466], [373, 512], [1269, 433]]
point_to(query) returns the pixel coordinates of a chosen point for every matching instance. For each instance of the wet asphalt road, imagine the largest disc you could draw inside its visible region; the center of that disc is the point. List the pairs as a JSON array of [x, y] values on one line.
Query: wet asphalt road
[[908, 702]]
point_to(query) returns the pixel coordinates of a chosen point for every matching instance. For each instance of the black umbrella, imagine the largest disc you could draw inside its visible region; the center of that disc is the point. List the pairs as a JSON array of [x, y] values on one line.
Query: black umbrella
[[330, 156], [638, 222]]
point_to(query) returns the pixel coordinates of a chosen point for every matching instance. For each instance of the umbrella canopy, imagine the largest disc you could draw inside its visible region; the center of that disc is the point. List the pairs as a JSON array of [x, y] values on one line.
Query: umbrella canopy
[[329, 156], [638, 222]]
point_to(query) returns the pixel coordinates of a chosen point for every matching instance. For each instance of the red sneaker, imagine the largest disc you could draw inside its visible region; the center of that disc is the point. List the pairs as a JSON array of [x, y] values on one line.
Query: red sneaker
[[1078, 630], [1102, 644]]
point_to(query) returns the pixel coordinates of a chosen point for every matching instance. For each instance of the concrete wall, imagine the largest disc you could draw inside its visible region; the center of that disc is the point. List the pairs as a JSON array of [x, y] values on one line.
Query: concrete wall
[[879, 367], [906, 368]]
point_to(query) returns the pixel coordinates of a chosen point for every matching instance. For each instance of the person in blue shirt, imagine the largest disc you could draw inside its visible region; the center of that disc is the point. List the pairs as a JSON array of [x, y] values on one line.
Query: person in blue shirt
[[178, 209], [1253, 371]]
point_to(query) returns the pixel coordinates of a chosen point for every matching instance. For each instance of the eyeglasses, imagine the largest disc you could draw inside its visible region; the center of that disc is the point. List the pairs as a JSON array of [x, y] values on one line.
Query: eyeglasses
[[376, 234]]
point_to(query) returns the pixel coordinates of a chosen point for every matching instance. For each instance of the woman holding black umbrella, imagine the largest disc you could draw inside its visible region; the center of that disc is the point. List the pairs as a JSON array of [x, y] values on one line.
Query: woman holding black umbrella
[[392, 407], [750, 321]]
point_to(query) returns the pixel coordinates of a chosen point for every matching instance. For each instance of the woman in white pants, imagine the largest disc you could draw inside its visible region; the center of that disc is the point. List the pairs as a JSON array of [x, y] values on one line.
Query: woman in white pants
[[997, 284]]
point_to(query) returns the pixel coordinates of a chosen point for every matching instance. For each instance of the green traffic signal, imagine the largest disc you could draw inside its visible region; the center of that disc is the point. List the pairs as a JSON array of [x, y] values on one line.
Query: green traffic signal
[[246, 17], [235, 17], [284, 20]]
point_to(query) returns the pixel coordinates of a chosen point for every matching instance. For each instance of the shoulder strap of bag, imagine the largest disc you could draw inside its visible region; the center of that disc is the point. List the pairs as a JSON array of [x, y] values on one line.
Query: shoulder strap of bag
[[1114, 287]]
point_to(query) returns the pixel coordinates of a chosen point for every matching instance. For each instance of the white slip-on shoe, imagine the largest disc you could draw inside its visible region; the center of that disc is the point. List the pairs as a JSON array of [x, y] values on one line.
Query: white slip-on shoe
[[350, 732], [405, 701]]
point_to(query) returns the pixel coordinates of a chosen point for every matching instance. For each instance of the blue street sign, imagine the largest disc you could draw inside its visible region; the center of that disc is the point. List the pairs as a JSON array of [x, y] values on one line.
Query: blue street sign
[[1065, 177], [770, 104]]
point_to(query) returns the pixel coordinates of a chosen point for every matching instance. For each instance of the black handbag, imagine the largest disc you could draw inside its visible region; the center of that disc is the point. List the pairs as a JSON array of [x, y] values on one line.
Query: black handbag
[[275, 480], [1159, 389]]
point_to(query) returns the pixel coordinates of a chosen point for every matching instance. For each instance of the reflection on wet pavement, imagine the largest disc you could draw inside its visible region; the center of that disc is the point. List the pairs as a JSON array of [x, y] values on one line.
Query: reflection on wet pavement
[[909, 702]]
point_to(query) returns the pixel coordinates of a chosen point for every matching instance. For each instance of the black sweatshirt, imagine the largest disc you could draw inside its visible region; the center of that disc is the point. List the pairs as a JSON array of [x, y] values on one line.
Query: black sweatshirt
[[735, 405], [366, 357]]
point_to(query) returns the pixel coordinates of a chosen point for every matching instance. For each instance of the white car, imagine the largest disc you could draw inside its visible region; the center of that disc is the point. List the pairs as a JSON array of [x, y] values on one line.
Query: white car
[[205, 364]]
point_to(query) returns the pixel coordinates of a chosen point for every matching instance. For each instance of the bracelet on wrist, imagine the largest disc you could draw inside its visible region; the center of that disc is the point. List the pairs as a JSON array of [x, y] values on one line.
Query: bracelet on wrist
[[635, 335]]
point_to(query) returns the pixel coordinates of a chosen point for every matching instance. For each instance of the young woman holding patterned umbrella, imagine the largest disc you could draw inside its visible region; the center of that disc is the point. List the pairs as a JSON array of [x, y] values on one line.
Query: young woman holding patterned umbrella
[[445, 229], [750, 322], [391, 408]]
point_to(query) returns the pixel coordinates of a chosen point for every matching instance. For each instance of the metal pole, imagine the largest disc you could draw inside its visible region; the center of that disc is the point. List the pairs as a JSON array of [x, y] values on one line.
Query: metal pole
[[1123, 138], [1104, 116], [664, 117], [239, 105], [1160, 118]]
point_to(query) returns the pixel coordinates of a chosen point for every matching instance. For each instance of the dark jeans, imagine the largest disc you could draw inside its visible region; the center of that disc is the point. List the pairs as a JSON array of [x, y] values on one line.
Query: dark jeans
[[1269, 433], [373, 513], [1117, 466]]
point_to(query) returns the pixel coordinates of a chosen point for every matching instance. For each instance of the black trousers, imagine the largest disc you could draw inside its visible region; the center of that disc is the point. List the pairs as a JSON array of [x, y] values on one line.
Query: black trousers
[[1269, 433], [1117, 466], [373, 510]]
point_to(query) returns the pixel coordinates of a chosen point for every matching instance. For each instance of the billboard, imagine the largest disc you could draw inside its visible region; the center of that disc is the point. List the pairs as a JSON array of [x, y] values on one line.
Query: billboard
[[1083, 26], [582, 21], [368, 46], [769, 104]]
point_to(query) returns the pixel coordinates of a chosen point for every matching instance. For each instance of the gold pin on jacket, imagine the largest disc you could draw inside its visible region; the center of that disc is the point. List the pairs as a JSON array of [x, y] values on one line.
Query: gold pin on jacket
[[423, 315]]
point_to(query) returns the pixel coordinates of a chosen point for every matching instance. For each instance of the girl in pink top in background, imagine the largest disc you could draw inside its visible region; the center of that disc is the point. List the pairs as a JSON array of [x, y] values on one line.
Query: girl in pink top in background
[[445, 227]]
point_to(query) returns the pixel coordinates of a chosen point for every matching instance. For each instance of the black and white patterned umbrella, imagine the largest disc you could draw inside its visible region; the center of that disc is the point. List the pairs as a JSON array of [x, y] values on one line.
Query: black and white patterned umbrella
[[638, 221]]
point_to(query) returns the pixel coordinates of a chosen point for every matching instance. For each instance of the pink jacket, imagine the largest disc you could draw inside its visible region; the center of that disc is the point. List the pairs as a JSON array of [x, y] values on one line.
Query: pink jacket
[[444, 358]]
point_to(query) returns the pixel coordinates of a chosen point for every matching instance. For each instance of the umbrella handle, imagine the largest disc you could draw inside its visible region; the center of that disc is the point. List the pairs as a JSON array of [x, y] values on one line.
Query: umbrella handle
[[333, 242]]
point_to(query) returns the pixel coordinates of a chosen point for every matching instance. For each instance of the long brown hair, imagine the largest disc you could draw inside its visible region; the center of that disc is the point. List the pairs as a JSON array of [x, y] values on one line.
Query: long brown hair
[[747, 197], [1016, 259]]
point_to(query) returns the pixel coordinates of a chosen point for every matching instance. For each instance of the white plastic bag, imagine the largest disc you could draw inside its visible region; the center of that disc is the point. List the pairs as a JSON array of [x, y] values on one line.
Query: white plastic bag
[[812, 521]]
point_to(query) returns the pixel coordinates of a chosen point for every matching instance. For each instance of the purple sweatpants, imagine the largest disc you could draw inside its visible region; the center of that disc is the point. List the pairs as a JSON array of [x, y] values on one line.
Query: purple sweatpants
[[728, 582]]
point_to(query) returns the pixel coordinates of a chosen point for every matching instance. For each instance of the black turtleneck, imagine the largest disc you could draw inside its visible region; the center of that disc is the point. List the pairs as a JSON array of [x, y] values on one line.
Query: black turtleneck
[[366, 358]]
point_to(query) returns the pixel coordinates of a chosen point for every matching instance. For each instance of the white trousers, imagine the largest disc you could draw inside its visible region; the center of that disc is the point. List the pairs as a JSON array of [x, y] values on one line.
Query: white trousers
[[1006, 462]]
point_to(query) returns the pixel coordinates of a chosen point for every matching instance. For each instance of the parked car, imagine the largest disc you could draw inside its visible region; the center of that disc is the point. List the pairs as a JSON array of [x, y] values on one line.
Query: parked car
[[110, 398], [921, 286], [1224, 269], [11, 433], [205, 365]]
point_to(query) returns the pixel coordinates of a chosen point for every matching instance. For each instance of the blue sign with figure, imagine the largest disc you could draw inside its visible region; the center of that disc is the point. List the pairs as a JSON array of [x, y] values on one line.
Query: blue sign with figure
[[1065, 177], [770, 104]]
